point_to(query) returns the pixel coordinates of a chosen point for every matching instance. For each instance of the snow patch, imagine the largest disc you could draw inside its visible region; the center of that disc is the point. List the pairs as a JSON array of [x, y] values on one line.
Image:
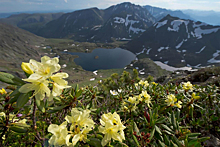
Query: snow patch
[[176, 24], [166, 62], [92, 79], [180, 44], [119, 20], [213, 60], [162, 48], [160, 24], [170, 68], [201, 50], [148, 51], [199, 32], [95, 72], [141, 51], [131, 28]]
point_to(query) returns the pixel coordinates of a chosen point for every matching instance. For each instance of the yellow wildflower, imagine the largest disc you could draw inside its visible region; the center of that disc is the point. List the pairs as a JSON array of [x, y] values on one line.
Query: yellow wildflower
[[80, 118], [42, 76], [194, 96], [154, 83], [178, 104], [59, 134], [112, 127], [40, 88], [81, 125], [143, 83], [2, 114], [171, 99], [46, 67], [26, 68], [187, 86], [59, 84], [146, 98], [3, 91]]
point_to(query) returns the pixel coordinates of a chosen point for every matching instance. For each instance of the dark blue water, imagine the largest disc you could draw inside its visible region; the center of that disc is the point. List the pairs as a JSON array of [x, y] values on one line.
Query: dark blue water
[[107, 59]]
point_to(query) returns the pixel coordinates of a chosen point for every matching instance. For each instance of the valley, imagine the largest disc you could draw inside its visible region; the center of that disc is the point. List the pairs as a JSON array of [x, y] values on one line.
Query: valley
[[150, 33]]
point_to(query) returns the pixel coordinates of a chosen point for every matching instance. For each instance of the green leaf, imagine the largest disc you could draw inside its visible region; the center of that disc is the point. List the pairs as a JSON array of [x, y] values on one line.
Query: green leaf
[[23, 99], [135, 139], [20, 125], [173, 120], [10, 79], [174, 145], [78, 93], [55, 109], [136, 129], [18, 129], [152, 133], [15, 92], [193, 134], [76, 88], [192, 142], [158, 136], [166, 140], [178, 114], [202, 139], [166, 128], [94, 142], [158, 130], [179, 143], [162, 144], [12, 100], [161, 120], [40, 105]]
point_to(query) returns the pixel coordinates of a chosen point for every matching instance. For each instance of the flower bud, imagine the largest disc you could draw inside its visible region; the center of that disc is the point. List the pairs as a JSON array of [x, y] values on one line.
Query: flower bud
[[3, 91], [147, 116], [26, 68]]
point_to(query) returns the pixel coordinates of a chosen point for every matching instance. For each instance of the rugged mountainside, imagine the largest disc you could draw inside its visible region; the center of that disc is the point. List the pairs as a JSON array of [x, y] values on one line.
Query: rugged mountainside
[[160, 13], [122, 21], [179, 42], [16, 46], [30, 22]]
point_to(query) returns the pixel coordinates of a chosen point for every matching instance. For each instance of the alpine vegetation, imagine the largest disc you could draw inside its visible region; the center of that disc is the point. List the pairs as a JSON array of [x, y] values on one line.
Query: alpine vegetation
[[122, 110]]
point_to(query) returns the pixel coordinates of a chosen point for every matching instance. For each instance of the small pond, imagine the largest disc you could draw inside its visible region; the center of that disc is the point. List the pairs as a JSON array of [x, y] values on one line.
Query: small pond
[[104, 59]]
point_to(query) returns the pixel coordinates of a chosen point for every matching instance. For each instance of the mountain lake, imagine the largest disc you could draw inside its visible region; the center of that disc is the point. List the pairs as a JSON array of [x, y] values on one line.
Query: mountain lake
[[104, 59]]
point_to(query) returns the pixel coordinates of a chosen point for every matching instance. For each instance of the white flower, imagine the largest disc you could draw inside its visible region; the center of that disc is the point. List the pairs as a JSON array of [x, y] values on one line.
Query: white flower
[[113, 92]]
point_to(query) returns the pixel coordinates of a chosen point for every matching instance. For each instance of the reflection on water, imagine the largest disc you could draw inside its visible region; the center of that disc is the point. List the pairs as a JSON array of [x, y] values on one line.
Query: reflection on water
[[104, 59]]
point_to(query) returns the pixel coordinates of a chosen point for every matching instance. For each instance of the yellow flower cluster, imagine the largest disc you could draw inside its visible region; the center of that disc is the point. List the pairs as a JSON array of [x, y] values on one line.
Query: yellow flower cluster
[[143, 83], [112, 127], [172, 101], [146, 97], [130, 106], [133, 101], [41, 74], [187, 86], [81, 124]]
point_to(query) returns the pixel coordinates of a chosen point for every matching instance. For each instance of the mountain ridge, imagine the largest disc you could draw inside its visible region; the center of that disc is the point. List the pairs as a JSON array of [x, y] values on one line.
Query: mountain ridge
[[179, 42], [98, 24]]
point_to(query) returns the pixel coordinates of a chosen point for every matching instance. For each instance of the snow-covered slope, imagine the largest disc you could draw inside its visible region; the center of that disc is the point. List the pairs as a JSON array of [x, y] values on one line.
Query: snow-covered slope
[[179, 42]]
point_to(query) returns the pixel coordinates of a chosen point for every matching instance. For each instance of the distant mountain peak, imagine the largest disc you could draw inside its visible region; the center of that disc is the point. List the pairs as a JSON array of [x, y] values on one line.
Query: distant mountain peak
[[160, 13], [179, 42]]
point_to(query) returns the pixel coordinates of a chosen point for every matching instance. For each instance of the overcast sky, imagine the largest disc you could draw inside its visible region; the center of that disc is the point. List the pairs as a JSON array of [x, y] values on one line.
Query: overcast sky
[[44, 5]]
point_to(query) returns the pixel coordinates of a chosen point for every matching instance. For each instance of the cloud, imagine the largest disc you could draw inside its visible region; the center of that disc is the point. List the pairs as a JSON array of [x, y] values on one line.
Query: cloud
[[65, 1]]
